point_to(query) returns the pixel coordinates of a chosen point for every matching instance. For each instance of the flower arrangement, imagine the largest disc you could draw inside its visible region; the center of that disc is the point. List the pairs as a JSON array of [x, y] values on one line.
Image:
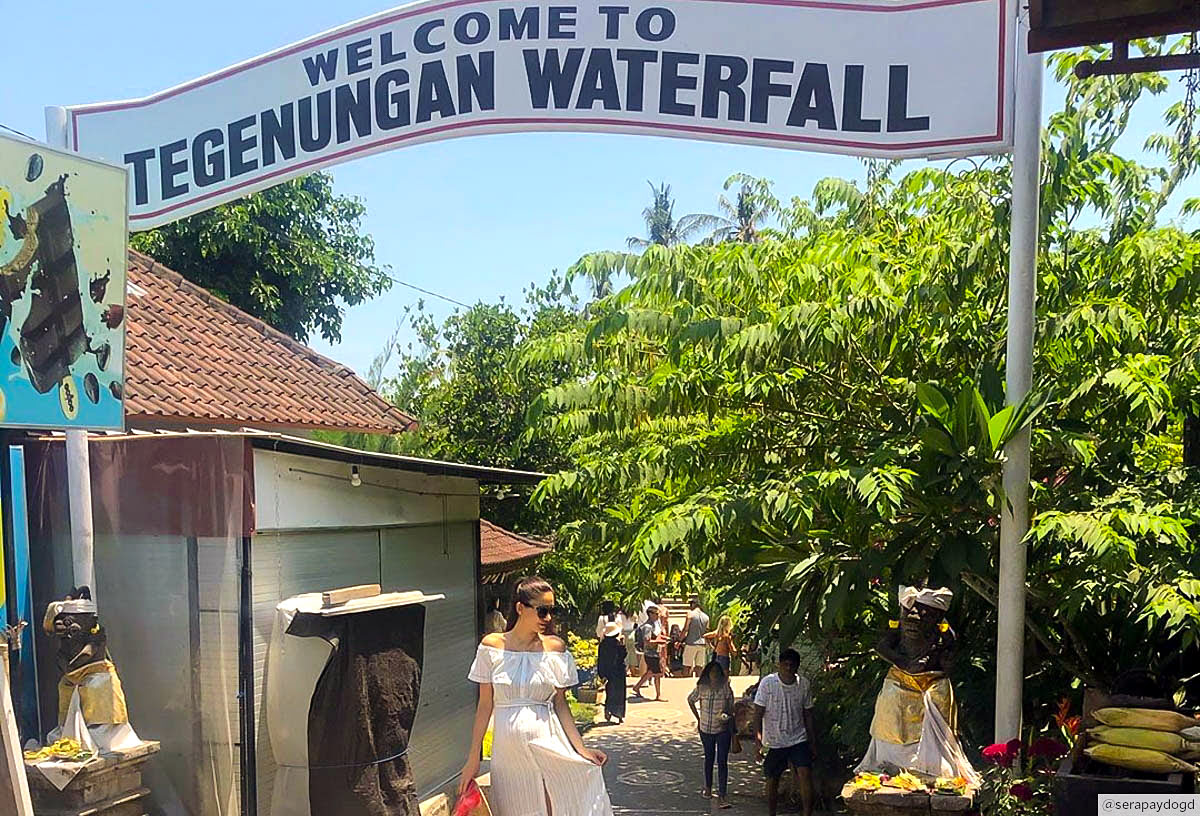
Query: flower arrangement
[[1020, 775], [586, 651]]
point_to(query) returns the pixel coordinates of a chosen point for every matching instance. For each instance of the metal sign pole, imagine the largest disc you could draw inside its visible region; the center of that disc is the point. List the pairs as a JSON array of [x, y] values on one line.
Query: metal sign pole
[[1022, 286], [79, 478]]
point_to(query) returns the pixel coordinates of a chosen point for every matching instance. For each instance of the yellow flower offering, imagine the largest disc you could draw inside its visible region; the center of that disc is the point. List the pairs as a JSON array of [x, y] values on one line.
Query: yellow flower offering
[[906, 782], [867, 781]]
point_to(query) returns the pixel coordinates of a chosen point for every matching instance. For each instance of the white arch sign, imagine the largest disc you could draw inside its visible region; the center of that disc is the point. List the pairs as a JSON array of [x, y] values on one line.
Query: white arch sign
[[896, 78]]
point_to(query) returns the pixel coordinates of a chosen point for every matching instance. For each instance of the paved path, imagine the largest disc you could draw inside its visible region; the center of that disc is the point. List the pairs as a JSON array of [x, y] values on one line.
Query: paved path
[[656, 760]]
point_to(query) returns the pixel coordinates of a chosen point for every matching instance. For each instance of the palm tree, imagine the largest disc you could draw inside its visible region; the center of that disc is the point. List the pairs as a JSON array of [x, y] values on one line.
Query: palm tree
[[661, 226], [742, 218]]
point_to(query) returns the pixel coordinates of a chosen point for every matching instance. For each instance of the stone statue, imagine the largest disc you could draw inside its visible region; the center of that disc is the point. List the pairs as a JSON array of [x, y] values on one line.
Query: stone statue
[[89, 681], [915, 715]]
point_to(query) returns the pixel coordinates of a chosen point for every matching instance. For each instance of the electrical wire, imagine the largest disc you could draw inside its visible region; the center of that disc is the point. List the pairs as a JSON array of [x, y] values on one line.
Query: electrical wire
[[285, 239], [351, 765], [428, 292]]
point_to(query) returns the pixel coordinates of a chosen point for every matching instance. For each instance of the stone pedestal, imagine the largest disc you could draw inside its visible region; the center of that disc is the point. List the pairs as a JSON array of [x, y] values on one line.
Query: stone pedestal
[[110, 785], [895, 802]]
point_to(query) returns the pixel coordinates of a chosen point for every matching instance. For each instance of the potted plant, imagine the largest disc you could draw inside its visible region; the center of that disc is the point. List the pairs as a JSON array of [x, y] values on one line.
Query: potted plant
[[585, 652]]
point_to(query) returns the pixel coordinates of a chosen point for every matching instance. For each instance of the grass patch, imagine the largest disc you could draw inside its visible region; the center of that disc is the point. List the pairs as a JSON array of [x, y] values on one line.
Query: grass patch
[[582, 713]]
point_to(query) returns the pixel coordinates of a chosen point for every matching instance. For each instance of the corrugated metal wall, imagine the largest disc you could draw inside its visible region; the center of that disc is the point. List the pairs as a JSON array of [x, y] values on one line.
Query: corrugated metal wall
[[422, 557], [290, 564], [432, 558]]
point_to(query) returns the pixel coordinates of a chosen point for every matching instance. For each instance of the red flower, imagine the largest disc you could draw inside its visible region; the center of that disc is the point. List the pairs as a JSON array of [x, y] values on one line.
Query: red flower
[[1064, 711], [1072, 724], [1002, 754], [1021, 791], [1047, 748]]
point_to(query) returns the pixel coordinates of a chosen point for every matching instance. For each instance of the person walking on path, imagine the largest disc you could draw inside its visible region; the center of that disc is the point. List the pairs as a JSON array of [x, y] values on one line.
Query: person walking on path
[[783, 709], [675, 649], [633, 660], [540, 766], [752, 655], [494, 620], [695, 650], [610, 661], [722, 642], [712, 704], [651, 641]]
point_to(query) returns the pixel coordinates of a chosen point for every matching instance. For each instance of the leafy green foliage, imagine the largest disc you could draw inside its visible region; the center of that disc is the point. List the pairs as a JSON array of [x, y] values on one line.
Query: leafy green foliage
[[293, 255], [819, 414], [662, 228], [469, 387]]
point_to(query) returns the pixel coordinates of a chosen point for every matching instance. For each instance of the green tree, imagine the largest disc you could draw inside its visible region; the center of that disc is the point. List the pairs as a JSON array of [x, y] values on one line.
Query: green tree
[[293, 255], [744, 217], [822, 417], [466, 382], [662, 229]]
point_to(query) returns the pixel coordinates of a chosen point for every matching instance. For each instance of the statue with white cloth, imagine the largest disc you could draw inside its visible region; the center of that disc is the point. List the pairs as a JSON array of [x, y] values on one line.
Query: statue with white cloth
[[914, 727], [91, 702]]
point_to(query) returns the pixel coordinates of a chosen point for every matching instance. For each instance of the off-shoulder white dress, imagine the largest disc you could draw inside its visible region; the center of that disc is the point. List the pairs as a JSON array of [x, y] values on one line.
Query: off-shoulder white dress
[[531, 755]]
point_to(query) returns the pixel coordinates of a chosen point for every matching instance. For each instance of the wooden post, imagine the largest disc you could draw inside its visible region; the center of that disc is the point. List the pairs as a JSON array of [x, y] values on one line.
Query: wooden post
[[14, 787]]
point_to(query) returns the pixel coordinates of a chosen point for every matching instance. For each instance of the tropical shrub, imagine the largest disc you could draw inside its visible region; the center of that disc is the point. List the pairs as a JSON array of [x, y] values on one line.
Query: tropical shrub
[[819, 415]]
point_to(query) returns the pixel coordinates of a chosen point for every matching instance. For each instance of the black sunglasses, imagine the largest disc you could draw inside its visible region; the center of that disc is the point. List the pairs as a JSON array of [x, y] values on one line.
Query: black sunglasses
[[545, 612]]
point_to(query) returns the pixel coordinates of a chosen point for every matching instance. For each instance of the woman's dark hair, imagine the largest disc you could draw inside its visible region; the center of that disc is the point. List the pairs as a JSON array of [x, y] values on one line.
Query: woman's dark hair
[[609, 610], [707, 678], [527, 591]]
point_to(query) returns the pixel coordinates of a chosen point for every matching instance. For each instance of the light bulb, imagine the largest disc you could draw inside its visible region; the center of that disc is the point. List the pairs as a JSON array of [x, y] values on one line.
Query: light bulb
[[355, 479]]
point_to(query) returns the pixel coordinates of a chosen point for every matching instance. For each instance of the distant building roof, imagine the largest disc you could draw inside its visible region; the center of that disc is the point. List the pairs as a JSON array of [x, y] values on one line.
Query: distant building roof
[[503, 552], [194, 360]]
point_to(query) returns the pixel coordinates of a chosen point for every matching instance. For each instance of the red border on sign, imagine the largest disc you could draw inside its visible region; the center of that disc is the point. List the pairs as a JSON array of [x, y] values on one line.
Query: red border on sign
[[505, 121]]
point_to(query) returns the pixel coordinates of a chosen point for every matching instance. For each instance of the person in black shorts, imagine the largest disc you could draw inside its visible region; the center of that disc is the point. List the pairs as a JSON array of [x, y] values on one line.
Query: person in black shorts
[[650, 639], [783, 709]]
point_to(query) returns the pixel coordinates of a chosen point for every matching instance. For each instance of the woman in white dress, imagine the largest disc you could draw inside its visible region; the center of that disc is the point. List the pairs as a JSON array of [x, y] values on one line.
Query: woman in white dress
[[540, 766]]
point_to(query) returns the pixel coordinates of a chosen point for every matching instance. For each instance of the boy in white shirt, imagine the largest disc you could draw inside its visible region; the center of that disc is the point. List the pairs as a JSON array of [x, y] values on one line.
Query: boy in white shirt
[[784, 725]]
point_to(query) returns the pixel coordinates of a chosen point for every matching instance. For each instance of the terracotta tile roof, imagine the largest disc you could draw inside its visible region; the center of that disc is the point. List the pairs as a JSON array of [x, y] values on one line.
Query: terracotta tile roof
[[192, 358], [500, 548]]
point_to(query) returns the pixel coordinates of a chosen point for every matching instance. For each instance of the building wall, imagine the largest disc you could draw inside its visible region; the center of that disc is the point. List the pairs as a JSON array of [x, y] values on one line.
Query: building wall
[[303, 493], [315, 531]]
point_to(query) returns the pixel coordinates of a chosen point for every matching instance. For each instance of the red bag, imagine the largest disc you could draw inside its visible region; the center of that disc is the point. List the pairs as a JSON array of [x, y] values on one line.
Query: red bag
[[472, 802]]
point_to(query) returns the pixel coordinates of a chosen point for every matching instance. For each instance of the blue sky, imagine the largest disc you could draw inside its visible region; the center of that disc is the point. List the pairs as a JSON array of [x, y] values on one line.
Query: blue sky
[[475, 219]]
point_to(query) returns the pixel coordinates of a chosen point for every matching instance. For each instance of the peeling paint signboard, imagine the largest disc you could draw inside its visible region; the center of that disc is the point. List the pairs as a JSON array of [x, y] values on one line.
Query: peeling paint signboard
[[894, 78], [63, 234]]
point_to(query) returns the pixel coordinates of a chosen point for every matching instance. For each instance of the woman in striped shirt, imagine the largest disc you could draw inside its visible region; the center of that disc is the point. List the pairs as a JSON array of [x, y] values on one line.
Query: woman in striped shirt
[[712, 704]]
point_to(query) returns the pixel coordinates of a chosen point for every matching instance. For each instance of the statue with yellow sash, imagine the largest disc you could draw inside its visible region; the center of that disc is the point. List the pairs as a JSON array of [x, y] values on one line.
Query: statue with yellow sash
[[915, 723], [91, 702]]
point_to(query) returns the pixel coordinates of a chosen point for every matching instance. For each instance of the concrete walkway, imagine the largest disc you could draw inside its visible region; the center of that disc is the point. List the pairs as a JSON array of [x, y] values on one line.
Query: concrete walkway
[[656, 760]]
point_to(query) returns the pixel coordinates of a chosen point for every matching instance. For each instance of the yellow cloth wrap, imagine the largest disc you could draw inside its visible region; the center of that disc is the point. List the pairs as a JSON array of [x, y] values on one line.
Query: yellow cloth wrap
[[101, 697], [900, 706]]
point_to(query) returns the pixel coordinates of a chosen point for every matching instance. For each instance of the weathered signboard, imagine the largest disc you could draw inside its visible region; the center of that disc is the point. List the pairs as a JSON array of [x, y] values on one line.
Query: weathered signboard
[[865, 77], [62, 289]]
